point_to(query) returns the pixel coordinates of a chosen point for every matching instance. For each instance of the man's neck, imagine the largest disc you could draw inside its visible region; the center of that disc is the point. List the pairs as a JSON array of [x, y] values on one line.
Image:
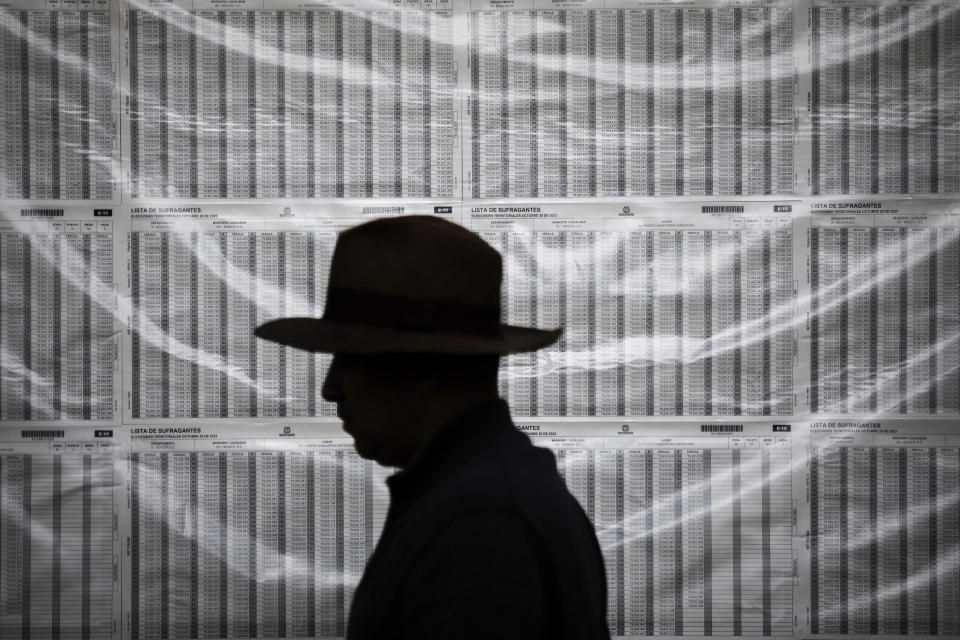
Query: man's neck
[[436, 413]]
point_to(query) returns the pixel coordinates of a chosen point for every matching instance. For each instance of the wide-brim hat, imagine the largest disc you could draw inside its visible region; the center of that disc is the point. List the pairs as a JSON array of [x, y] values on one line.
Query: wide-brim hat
[[410, 284]]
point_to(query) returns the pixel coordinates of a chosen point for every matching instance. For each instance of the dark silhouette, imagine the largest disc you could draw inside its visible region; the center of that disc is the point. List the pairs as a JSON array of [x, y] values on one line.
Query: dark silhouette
[[482, 539]]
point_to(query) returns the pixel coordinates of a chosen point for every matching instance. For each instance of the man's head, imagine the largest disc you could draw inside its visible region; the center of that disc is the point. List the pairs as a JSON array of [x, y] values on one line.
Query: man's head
[[391, 403], [413, 318]]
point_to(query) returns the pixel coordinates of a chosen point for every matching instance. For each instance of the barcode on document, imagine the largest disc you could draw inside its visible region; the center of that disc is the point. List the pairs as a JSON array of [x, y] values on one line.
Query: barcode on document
[[721, 208], [41, 213], [721, 428]]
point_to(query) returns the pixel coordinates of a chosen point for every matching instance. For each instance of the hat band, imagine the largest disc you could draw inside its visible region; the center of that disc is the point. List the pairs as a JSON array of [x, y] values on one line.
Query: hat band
[[387, 310]]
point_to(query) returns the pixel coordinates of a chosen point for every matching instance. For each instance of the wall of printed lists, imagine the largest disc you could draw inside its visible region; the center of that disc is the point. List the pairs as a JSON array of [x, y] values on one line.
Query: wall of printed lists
[[745, 213]]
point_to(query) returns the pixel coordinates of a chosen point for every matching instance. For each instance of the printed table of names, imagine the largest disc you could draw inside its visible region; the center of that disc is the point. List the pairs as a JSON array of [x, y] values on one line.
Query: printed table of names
[[885, 97], [56, 318], [198, 292], [644, 102], [696, 531], [58, 568], [57, 127], [884, 531], [885, 313], [251, 543], [299, 104], [656, 321]]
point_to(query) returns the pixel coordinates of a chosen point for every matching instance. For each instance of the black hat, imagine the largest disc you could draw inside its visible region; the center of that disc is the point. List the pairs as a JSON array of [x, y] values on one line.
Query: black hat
[[410, 284]]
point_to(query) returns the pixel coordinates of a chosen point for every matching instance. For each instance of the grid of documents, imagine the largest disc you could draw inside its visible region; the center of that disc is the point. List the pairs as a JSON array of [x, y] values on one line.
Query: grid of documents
[[744, 214]]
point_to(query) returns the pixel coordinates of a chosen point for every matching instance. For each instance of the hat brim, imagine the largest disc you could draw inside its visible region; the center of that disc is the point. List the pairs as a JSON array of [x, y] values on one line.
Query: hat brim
[[323, 336]]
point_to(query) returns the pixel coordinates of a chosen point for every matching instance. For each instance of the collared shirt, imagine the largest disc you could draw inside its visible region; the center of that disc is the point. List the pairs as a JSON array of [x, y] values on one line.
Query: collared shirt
[[482, 540]]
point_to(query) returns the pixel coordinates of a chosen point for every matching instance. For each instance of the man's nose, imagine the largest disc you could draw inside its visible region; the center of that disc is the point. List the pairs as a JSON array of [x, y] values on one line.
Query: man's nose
[[330, 391]]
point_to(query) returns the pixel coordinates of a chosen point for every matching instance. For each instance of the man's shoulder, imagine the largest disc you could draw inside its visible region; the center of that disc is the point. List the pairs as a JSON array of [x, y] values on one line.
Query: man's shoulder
[[482, 463]]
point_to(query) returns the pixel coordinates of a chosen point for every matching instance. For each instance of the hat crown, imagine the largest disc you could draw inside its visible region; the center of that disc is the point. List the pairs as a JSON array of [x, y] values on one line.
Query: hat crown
[[416, 272]]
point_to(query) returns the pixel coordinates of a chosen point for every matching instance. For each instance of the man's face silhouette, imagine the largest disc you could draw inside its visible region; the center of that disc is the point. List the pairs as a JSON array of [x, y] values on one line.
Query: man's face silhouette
[[376, 397]]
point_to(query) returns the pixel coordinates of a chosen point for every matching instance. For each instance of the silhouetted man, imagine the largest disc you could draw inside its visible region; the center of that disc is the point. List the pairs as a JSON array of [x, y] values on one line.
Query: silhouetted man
[[482, 539]]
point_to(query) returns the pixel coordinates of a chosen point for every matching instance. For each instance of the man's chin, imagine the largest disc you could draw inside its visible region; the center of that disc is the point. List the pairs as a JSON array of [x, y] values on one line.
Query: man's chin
[[367, 452], [362, 448]]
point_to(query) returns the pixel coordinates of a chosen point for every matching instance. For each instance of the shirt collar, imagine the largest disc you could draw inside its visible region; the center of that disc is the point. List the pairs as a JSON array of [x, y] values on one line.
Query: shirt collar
[[473, 429]]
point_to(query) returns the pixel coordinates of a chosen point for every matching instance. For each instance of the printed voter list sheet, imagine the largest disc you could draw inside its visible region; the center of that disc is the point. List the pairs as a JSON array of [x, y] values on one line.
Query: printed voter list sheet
[[58, 315], [695, 521], [882, 528], [281, 99], [884, 307], [613, 98], [883, 97], [201, 279], [59, 537], [668, 310], [59, 100], [242, 531]]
